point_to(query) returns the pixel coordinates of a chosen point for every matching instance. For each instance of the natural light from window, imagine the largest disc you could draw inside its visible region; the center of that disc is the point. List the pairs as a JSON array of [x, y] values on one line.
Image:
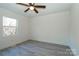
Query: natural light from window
[[9, 26]]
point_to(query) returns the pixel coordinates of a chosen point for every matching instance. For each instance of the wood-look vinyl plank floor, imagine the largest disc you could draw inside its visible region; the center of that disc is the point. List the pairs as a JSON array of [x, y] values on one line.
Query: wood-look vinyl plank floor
[[37, 48]]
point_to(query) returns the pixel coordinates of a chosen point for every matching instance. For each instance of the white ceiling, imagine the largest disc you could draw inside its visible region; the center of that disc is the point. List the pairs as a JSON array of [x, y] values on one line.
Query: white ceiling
[[50, 8]]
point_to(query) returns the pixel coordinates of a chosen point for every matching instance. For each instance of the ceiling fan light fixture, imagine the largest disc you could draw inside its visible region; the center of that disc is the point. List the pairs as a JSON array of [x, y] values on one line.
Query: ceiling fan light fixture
[[31, 8]]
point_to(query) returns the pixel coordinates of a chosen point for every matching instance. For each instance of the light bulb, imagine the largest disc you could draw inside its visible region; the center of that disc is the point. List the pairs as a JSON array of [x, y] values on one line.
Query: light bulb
[[31, 8]]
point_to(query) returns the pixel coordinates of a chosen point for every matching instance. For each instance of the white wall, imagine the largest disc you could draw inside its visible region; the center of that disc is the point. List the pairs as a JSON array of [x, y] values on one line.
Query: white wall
[[52, 28], [74, 42], [21, 33]]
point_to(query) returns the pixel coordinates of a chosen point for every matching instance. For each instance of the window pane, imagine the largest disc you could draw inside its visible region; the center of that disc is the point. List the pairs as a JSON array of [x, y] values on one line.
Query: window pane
[[9, 26], [9, 21]]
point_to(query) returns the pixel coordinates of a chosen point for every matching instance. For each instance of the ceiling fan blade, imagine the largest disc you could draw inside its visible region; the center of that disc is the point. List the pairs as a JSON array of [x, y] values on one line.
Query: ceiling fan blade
[[26, 10], [22, 4], [40, 6], [35, 10]]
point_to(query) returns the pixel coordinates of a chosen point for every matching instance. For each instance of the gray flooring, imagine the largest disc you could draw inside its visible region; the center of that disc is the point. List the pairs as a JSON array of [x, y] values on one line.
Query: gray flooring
[[36, 48]]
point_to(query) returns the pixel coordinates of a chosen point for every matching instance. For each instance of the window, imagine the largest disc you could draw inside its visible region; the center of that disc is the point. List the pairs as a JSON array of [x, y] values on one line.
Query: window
[[9, 26]]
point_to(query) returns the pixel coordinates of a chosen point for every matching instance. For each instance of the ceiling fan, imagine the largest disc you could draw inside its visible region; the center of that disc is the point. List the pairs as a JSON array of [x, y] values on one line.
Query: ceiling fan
[[32, 6]]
